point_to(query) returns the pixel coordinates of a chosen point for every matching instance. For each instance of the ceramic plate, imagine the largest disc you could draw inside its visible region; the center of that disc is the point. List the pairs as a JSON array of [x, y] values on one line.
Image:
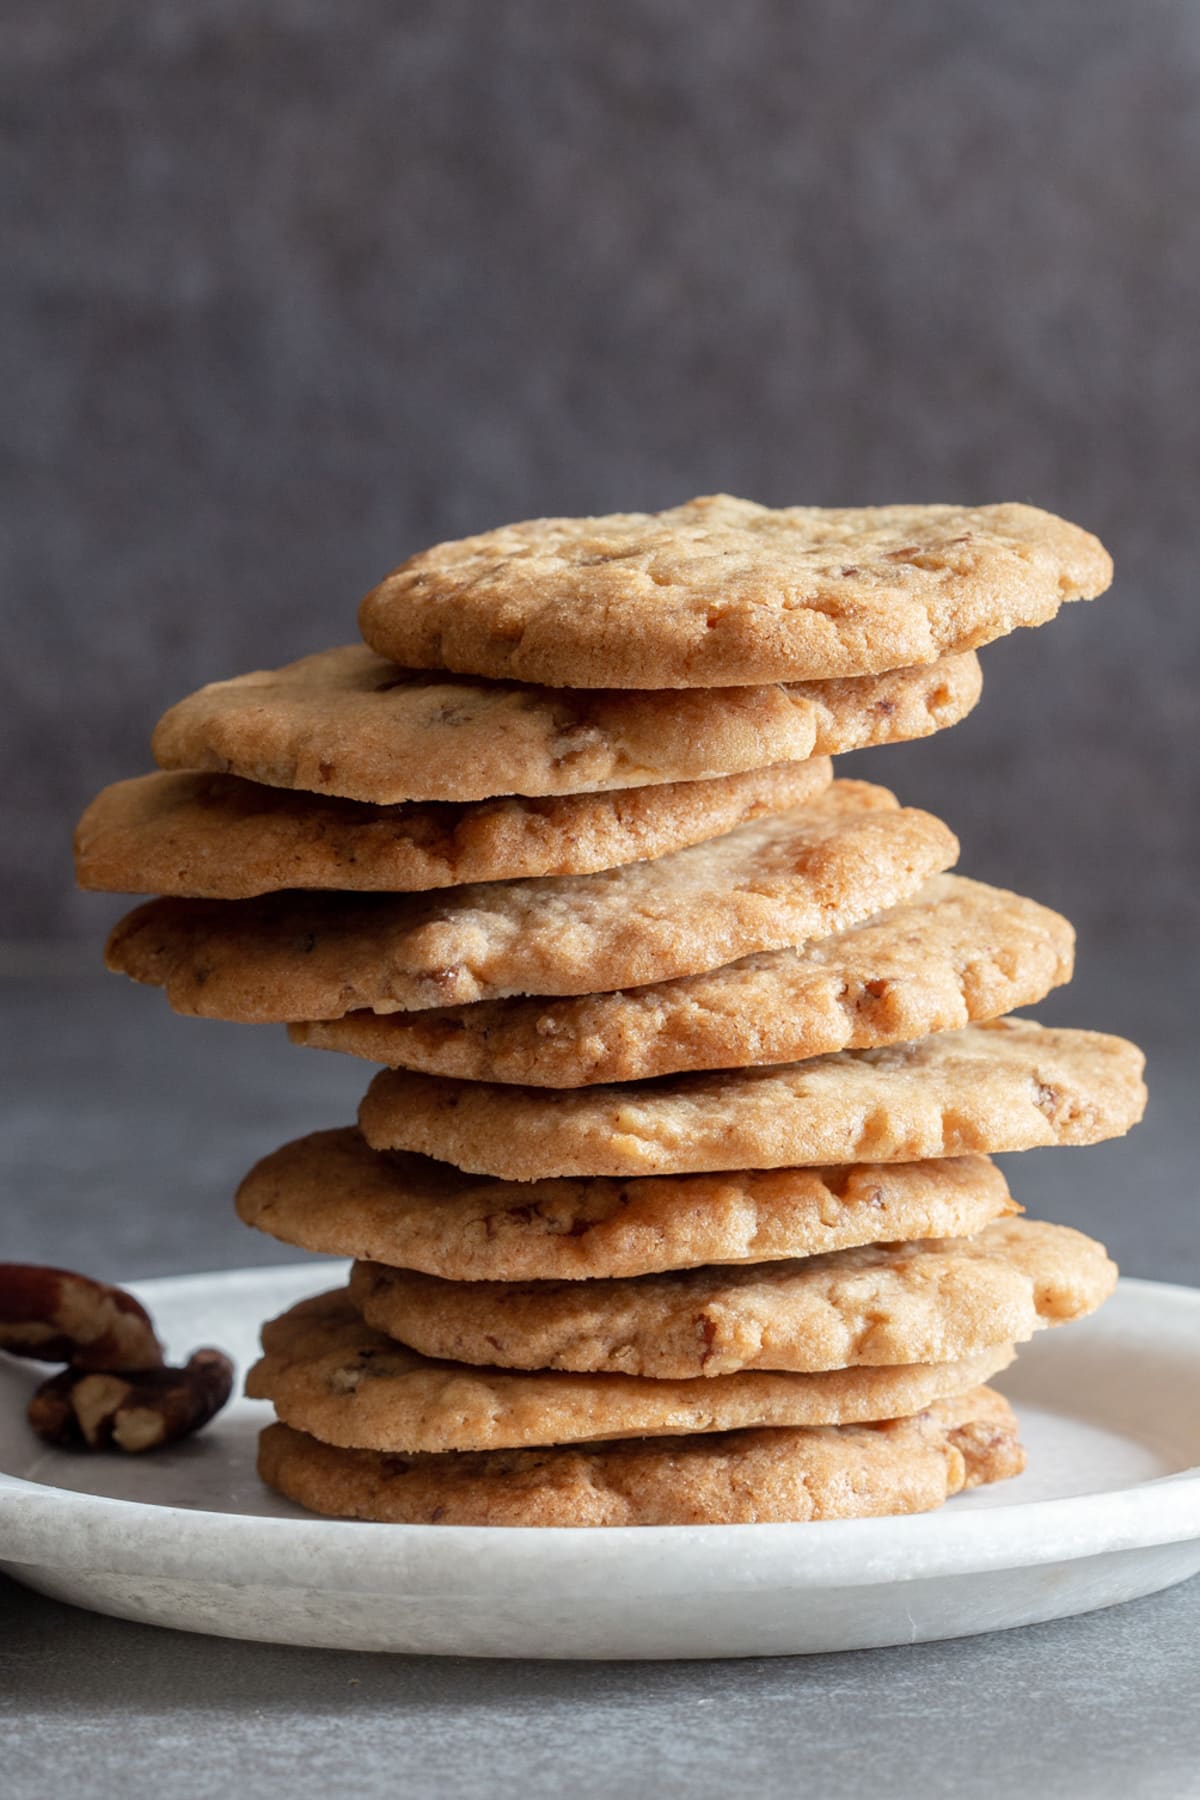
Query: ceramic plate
[[1108, 1509]]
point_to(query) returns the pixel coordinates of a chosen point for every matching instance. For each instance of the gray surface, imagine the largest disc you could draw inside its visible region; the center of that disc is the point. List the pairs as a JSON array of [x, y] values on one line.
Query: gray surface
[[1105, 1707], [124, 1131], [292, 289]]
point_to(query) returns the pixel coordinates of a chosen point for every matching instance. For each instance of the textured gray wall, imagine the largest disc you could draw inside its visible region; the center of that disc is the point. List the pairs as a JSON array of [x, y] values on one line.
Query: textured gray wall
[[293, 287]]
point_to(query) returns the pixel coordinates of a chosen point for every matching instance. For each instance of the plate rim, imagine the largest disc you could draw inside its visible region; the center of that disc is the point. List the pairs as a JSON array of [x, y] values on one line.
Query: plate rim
[[67, 1529]]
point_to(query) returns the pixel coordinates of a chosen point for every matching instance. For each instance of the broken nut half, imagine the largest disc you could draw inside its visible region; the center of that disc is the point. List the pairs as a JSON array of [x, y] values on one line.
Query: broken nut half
[[54, 1315], [135, 1410]]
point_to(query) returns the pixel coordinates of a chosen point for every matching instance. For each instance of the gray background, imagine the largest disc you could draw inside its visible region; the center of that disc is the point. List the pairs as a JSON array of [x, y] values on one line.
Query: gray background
[[293, 288]]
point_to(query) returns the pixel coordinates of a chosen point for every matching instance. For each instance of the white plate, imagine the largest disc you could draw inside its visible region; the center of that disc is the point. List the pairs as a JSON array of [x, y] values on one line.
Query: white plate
[[1109, 1509]]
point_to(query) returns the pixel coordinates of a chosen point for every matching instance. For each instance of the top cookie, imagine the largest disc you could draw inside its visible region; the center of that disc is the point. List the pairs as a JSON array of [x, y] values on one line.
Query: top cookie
[[723, 592], [349, 724]]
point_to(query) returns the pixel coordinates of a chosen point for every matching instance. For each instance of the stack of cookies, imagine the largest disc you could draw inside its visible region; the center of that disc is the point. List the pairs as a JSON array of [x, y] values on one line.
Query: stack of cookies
[[672, 1200]]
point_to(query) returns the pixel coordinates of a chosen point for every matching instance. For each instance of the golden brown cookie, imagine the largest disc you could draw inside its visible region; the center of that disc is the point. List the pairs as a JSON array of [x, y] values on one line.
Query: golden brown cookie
[[219, 837], [346, 722], [930, 1302], [728, 1478], [956, 952], [330, 1375], [782, 880], [1007, 1085], [721, 591], [332, 1193]]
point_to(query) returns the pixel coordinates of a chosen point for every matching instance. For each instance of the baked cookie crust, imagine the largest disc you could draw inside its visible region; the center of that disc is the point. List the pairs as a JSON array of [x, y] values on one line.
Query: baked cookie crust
[[798, 875], [329, 1374], [722, 591], [331, 1193], [728, 1478], [1005, 1085], [219, 837], [955, 953], [932, 1302], [350, 723]]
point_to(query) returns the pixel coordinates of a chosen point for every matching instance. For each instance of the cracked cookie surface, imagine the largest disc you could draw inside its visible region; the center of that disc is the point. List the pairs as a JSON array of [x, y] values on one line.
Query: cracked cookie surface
[[723, 591]]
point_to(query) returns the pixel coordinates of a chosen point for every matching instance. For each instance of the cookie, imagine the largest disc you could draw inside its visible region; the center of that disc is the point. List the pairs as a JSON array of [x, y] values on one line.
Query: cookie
[[722, 591], [930, 1302], [726, 1478], [781, 880], [219, 837], [330, 1375], [332, 1193], [1007, 1085], [345, 722], [955, 953]]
